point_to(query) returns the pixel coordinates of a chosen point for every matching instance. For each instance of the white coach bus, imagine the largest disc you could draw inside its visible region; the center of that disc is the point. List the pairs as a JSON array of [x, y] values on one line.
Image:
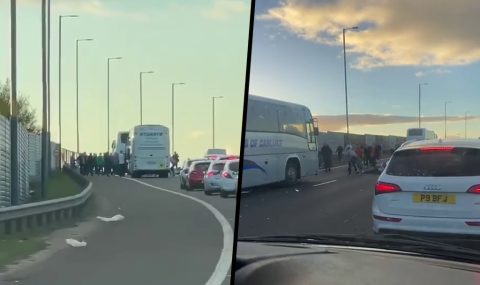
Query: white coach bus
[[149, 151], [416, 134], [280, 143]]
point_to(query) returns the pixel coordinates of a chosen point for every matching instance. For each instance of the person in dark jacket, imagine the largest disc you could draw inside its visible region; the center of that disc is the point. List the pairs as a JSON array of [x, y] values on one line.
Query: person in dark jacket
[[339, 152], [327, 157], [107, 160]]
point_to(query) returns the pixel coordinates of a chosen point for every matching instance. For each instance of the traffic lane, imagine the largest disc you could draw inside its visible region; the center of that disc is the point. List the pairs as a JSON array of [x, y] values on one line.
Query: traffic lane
[[226, 206], [161, 234], [340, 207]]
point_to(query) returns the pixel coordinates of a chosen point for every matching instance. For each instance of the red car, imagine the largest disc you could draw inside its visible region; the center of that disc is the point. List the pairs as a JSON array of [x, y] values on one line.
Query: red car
[[196, 173]]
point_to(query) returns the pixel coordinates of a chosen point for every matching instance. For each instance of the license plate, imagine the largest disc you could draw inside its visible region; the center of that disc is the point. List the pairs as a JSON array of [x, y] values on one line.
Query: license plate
[[437, 198]]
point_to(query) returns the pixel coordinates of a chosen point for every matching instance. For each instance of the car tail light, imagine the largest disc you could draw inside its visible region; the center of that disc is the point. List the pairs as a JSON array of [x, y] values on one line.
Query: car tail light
[[475, 189], [473, 223], [210, 174], [382, 187], [227, 175], [437, 149], [387, 219]]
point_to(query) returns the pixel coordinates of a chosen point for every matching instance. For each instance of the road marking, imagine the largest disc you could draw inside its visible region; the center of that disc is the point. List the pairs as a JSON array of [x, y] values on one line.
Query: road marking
[[224, 262], [328, 182]]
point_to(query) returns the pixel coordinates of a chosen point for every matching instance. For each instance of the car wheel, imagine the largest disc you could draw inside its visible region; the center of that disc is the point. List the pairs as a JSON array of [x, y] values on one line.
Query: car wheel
[[207, 192], [291, 174], [187, 186], [223, 194]]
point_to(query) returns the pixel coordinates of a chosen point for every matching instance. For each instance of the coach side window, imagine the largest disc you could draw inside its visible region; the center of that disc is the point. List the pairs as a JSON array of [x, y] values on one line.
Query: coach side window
[[261, 117]]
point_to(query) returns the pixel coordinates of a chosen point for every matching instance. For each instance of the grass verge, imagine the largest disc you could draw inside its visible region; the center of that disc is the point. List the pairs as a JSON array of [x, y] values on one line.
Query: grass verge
[[59, 185], [16, 247]]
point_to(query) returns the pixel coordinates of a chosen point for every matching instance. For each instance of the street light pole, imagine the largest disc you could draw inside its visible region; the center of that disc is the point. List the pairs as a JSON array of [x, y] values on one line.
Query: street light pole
[[466, 124], [78, 133], [13, 108], [173, 114], [108, 100], [345, 72], [213, 119], [60, 83], [420, 102], [141, 96], [446, 102]]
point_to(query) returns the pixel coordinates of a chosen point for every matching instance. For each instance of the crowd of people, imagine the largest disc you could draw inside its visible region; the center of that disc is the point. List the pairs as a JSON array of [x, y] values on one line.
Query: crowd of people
[[358, 158], [101, 164]]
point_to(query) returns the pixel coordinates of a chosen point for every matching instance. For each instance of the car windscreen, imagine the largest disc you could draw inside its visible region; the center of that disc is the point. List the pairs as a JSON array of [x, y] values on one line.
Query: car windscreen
[[234, 166], [218, 166], [453, 162], [202, 166]]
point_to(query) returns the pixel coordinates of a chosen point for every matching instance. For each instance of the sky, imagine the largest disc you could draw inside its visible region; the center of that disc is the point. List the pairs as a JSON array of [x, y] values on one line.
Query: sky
[[201, 43], [297, 56]]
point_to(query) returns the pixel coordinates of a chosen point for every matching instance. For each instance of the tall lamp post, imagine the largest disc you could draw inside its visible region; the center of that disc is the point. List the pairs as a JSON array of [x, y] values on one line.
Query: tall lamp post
[[213, 118], [108, 99], [60, 18], [446, 102], [173, 113], [13, 106], [345, 71], [466, 124], [78, 132], [141, 99], [420, 102]]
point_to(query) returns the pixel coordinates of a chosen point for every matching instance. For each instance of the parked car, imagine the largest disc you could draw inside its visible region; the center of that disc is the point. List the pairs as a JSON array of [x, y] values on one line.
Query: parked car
[[229, 181], [213, 177], [184, 172], [430, 186], [196, 173]]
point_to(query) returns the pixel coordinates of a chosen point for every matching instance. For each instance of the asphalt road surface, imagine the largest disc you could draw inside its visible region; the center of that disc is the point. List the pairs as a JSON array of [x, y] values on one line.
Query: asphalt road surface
[[165, 238], [330, 203]]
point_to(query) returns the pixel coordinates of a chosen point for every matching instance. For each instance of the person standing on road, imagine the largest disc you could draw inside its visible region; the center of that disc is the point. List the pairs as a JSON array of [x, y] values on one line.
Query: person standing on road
[[107, 169], [174, 160], [327, 157], [90, 164], [100, 164], [82, 160], [367, 152], [339, 152], [352, 159]]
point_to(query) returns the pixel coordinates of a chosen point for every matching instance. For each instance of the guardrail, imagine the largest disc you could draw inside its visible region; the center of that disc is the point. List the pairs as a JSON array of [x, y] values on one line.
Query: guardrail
[[45, 212]]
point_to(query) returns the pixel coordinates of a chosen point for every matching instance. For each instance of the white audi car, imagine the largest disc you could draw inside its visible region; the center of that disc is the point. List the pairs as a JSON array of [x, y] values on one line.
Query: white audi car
[[430, 186]]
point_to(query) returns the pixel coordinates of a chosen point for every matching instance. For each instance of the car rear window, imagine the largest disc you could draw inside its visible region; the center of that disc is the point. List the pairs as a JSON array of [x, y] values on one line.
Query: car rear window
[[218, 166], [202, 166], [415, 132], [456, 162], [234, 166]]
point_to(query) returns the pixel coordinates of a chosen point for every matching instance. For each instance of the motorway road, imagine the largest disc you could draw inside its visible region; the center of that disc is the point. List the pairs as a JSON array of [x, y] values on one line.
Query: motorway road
[[330, 203], [164, 239]]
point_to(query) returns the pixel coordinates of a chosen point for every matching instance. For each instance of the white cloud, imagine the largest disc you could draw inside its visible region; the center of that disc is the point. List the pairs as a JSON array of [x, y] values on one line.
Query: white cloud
[[197, 134], [225, 9], [392, 33], [91, 7], [436, 71]]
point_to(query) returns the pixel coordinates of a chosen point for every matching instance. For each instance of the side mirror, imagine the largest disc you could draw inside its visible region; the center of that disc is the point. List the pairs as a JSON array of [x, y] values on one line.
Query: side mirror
[[113, 144]]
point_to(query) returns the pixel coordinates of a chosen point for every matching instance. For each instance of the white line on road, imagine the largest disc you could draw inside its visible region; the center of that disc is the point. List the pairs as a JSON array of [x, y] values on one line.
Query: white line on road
[[328, 182], [224, 262]]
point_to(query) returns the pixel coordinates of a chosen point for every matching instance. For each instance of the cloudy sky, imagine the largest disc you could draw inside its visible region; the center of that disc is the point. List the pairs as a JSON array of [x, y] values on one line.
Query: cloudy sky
[[297, 56], [201, 43]]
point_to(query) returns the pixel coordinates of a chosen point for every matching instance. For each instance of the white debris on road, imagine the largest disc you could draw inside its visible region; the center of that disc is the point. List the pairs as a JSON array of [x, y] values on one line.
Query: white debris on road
[[75, 243], [297, 190], [115, 218]]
